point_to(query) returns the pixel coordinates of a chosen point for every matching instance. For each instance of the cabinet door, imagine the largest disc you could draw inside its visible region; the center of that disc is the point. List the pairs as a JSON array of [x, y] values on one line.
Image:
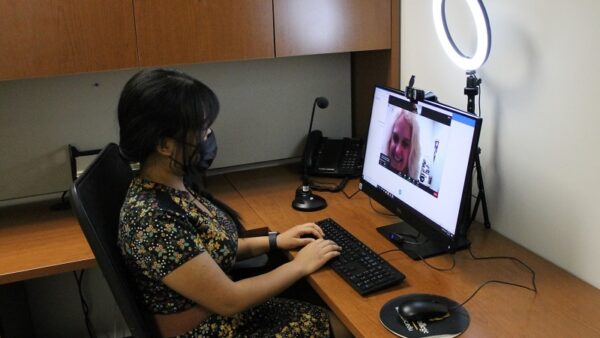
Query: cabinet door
[[51, 37], [331, 26], [191, 31]]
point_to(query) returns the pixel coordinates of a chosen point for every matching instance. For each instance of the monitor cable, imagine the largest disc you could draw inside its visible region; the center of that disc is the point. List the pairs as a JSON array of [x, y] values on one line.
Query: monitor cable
[[431, 266], [378, 211], [532, 288]]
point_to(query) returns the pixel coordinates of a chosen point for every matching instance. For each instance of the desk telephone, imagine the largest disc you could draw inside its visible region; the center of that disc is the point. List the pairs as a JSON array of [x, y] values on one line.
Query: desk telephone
[[337, 158]]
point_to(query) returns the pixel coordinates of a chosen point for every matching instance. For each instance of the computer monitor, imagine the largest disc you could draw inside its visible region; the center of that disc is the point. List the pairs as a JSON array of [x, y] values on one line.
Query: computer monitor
[[418, 164]]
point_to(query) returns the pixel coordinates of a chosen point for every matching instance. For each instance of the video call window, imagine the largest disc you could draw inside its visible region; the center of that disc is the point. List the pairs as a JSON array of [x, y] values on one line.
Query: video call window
[[414, 144]]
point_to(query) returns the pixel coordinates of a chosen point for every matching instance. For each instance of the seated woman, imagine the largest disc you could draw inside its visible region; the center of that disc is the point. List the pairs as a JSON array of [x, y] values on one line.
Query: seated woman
[[179, 245]]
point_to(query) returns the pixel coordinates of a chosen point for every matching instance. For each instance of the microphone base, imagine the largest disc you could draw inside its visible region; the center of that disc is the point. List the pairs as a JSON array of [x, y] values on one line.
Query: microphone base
[[305, 200]]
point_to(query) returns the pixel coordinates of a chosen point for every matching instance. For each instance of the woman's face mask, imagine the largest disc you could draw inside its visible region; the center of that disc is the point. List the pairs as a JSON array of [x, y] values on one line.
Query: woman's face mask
[[204, 153]]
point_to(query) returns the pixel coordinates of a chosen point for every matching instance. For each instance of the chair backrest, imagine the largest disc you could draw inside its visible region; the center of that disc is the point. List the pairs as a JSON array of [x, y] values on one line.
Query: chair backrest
[[96, 197]]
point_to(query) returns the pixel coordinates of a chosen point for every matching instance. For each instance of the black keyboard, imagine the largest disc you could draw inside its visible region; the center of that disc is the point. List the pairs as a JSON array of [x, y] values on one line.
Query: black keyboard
[[358, 265]]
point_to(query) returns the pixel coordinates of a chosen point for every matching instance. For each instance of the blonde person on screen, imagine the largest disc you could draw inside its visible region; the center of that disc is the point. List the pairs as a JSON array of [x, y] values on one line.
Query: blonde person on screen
[[402, 146]]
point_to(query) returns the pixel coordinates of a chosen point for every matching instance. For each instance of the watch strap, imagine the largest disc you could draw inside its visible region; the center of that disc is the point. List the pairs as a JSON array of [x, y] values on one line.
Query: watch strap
[[273, 241]]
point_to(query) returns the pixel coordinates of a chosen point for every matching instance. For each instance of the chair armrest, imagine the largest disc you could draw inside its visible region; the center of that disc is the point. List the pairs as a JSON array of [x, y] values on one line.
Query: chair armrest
[[259, 261], [264, 231]]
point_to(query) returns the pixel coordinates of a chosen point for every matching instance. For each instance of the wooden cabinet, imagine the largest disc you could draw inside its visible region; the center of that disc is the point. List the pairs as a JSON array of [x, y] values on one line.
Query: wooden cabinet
[[184, 31], [305, 27], [370, 68], [52, 37], [55, 37]]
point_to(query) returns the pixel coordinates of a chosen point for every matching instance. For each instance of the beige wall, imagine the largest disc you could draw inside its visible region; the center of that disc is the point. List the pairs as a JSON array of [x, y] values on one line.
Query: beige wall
[[265, 112], [540, 108]]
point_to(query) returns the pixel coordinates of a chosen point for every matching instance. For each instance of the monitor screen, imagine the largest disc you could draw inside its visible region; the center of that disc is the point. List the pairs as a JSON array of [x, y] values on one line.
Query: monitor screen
[[418, 164]]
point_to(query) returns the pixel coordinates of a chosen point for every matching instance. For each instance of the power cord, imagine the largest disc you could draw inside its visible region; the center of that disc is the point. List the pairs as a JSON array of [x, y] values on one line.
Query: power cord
[[439, 269], [426, 262], [351, 195], [379, 212], [320, 186], [84, 305], [532, 288], [63, 204]]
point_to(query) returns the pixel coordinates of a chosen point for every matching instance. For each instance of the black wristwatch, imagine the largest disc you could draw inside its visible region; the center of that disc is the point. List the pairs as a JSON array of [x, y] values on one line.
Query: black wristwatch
[[273, 241]]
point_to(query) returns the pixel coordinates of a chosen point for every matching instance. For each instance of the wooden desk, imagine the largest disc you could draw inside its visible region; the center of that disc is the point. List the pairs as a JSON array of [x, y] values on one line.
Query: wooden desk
[[35, 242], [563, 307]]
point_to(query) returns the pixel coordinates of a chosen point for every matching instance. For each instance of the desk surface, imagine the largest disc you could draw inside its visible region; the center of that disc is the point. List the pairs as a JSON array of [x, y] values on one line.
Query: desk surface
[[564, 306], [35, 242]]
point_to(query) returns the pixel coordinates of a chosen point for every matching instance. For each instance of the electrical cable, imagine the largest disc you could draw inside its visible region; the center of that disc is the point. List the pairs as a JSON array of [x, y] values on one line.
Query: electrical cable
[[426, 262], [317, 186], [84, 306], [533, 288], [320, 186], [489, 282], [379, 212], [351, 195], [439, 269]]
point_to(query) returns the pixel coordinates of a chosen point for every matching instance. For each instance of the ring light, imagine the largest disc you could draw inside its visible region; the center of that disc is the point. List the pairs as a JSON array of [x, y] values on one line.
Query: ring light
[[484, 36]]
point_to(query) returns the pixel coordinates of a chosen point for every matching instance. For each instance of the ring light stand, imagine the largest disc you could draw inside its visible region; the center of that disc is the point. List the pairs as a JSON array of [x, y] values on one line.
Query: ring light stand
[[470, 65], [472, 90], [458, 321]]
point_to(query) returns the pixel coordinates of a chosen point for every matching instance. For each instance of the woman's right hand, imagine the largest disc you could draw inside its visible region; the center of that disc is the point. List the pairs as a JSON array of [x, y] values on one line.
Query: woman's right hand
[[315, 254]]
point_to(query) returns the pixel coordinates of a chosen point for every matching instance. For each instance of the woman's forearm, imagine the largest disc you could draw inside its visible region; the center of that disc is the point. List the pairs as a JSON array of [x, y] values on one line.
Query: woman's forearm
[[252, 246]]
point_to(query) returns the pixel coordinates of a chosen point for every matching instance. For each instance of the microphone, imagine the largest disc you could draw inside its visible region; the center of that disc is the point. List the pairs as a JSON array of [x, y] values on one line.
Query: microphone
[[323, 103], [305, 200]]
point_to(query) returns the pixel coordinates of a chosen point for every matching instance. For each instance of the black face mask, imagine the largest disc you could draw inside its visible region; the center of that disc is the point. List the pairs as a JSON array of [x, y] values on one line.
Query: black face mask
[[199, 162], [205, 153]]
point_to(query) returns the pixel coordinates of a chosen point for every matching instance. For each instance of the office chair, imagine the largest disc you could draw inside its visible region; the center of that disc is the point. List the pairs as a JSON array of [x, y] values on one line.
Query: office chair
[[96, 197]]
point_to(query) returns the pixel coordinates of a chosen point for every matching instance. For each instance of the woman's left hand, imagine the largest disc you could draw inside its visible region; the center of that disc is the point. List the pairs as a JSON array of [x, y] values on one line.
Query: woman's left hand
[[292, 238]]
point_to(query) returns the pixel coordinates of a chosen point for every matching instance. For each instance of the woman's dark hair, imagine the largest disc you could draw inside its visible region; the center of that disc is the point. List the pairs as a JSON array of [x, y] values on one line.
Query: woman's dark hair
[[159, 103]]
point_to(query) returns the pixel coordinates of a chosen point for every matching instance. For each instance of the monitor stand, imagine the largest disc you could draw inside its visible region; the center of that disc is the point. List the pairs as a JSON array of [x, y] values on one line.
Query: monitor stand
[[416, 245]]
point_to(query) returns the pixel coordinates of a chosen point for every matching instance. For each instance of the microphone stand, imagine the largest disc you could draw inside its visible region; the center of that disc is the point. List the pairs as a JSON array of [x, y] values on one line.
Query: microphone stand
[[305, 200]]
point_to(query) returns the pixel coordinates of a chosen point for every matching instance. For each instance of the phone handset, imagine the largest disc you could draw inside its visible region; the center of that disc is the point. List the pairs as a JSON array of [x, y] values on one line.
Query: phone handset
[[312, 147]]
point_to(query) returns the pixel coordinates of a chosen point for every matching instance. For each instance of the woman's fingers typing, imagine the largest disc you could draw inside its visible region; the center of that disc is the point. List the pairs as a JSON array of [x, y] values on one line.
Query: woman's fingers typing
[[316, 254]]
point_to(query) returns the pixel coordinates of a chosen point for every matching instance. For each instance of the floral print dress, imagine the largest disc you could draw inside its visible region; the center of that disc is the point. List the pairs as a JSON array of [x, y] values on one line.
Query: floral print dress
[[161, 229]]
